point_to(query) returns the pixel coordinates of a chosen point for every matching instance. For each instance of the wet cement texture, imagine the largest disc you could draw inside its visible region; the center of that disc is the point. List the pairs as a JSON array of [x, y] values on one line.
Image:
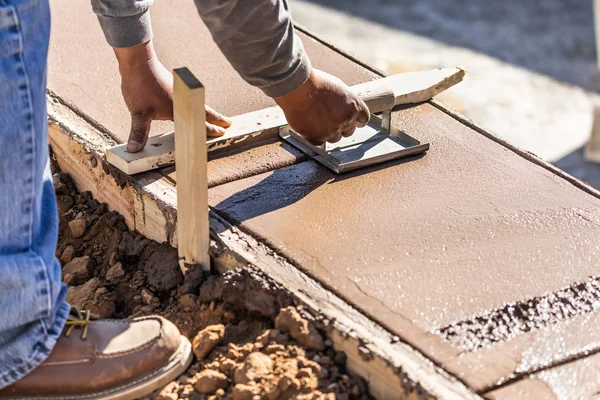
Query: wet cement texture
[[514, 319], [420, 245]]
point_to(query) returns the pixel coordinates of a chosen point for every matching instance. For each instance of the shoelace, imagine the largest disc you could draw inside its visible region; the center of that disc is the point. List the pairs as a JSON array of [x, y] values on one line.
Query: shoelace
[[78, 319]]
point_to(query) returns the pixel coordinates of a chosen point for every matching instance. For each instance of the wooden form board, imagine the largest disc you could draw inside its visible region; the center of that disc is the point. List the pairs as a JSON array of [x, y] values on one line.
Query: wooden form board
[[380, 95], [191, 161]]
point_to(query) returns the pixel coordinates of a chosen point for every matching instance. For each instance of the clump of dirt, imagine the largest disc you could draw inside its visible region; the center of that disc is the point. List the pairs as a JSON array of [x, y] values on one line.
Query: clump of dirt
[[250, 341]]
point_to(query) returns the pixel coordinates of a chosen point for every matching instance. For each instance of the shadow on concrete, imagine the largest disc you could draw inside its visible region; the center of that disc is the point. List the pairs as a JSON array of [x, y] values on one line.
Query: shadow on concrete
[[576, 165], [286, 186], [551, 37], [279, 189]]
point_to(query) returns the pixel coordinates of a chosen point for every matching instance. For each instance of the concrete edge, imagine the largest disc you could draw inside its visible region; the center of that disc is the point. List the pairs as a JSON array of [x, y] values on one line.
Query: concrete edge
[[393, 369], [529, 156]]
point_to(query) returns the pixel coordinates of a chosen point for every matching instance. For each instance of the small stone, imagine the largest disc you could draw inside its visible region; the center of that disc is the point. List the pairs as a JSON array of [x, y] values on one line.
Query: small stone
[[325, 361], [288, 382], [206, 340], [68, 254], [340, 358], [188, 300], [77, 227], [299, 328], [229, 316], [227, 366], [273, 392], [256, 366], [245, 392], [169, 392], [147, 310], [88, 297], [315, 367], [274, 348], [308, 379], [208, 381], [65, 203], [79, 269], [112, 259], [148, 297], [115, 273]]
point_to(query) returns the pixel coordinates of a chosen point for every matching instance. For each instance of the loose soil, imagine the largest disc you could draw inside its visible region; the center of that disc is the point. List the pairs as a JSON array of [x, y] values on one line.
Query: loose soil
[[250, 340]]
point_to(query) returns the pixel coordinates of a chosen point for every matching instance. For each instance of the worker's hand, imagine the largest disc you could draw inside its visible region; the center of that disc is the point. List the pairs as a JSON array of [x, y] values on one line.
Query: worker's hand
[[147, 88], [324, 109]]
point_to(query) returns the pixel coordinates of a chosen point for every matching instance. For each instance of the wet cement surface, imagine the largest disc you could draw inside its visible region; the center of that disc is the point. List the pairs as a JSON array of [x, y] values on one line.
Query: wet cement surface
[[574, 380], [432, 242], [83, 70]]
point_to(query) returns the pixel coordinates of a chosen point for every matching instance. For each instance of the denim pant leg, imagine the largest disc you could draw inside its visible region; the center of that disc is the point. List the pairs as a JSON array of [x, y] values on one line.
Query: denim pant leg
[[32, 297]]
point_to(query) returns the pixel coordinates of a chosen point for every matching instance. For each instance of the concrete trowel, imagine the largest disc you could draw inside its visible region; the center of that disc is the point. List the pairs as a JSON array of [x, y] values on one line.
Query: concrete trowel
[[378, 141]]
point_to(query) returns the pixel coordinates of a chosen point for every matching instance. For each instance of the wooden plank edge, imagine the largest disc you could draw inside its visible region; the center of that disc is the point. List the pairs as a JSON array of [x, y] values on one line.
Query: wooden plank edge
[[191, 160], [146, 201], [392, 369]]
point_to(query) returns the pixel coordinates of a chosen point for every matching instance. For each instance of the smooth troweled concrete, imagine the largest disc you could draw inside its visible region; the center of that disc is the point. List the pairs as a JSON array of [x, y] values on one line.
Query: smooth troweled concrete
[[428, 242]]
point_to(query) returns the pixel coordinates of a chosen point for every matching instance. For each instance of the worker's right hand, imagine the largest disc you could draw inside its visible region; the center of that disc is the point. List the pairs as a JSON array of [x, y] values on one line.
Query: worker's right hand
[[147, 88], [324, 109]]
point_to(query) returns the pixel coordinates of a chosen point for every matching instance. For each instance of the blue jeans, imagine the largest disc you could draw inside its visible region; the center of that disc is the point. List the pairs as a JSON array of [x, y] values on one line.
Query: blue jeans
[[32, 297]]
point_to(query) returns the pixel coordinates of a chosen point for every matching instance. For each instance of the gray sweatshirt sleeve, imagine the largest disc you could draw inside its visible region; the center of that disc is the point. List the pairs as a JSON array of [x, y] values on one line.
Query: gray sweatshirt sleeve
[[256, 36], [125, 23]]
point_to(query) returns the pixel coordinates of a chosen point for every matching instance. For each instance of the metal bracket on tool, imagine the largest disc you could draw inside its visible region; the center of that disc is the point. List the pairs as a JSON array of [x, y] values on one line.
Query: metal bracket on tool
[[386, 121], [375, 143]]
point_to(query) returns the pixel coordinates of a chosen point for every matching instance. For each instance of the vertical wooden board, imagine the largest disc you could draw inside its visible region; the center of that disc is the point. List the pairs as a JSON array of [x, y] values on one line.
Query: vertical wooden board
[[191, 164]]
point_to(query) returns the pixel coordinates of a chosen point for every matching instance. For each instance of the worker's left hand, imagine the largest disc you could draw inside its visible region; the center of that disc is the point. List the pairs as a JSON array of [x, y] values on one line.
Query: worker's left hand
[[147, 88], [324, 109]]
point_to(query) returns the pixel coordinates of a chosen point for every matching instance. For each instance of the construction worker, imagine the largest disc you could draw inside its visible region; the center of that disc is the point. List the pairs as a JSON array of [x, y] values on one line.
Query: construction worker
[[48, 350]]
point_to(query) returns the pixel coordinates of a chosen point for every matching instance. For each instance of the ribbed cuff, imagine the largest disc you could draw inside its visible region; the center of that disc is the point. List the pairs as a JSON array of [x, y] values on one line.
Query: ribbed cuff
[[127, 31], [293, 81]]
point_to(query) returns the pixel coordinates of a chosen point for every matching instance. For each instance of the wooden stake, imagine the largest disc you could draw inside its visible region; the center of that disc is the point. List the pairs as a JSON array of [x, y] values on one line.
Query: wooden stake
[[191, 163]]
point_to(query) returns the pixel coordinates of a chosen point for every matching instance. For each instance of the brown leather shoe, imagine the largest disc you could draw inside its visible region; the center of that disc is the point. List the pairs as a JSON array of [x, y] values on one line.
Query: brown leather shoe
[[107, 359]]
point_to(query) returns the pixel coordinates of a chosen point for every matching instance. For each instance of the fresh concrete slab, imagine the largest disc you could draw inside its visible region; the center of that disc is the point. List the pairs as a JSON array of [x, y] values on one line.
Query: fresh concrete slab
[[429, 242]]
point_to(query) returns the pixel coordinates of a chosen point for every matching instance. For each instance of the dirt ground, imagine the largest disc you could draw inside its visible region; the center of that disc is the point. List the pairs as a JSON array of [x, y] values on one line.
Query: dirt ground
[[250, 341]]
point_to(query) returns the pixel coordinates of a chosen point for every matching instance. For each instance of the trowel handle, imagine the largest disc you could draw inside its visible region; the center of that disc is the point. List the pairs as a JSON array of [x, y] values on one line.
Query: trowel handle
[[412, 87]]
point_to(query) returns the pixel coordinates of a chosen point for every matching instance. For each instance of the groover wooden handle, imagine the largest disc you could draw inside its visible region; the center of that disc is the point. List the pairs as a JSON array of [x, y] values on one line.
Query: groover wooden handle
[[406, 88]]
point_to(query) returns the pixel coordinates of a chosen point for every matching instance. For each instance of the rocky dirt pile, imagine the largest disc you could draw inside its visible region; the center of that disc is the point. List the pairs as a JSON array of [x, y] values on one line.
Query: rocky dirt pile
[[250, 341]]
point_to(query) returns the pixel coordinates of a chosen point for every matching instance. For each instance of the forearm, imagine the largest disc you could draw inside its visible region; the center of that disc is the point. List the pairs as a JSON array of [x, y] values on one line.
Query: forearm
[[257, 37]]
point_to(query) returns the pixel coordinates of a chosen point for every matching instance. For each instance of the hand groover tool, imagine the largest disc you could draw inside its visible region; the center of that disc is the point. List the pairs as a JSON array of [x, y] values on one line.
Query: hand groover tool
[[377, 142]]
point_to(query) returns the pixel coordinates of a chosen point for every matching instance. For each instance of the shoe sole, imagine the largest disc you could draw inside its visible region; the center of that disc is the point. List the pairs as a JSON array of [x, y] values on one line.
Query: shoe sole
[[177, 365]]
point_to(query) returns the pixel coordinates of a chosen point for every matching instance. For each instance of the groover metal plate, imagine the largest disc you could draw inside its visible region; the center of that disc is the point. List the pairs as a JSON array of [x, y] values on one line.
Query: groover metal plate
[[367, 146]]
